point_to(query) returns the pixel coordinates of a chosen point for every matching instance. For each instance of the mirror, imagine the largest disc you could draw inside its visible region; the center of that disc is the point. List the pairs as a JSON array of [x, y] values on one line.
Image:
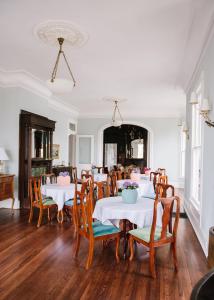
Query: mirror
[[137, 148], [40, 144]]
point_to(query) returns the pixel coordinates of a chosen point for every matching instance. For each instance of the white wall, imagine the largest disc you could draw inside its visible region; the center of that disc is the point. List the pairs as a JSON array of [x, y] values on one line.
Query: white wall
[[201, 222], [12, 100], [166, 142]]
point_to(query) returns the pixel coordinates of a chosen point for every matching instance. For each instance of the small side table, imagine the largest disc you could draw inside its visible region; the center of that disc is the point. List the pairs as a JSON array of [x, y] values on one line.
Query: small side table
[[7, 187]]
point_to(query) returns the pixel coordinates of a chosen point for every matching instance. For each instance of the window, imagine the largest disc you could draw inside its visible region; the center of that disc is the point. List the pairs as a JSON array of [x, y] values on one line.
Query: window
[[196, 149], [183, 152]]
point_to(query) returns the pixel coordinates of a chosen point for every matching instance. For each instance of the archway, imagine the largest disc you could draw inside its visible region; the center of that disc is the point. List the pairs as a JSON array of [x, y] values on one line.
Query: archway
[[100, 137]]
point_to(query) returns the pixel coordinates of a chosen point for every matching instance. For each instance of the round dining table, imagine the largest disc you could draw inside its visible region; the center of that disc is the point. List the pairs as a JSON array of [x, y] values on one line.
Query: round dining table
[[111, 210], [146, 188], [60, 194]]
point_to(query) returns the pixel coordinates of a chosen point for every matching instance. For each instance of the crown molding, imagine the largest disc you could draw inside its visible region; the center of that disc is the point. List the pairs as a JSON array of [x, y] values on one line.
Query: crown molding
[[27, 81], [209, 35]]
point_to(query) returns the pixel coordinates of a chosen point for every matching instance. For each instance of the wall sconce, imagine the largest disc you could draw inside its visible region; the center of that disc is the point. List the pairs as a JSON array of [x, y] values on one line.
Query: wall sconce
[[185, 130], [204, 111], [193, 98]]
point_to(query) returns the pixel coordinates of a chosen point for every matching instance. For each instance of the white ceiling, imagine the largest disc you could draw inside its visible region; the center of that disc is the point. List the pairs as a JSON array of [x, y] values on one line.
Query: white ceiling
[[141, 50]]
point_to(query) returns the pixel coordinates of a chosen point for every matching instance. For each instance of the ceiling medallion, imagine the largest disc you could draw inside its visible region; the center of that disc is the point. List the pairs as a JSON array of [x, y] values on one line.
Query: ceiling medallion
[[50, 31]]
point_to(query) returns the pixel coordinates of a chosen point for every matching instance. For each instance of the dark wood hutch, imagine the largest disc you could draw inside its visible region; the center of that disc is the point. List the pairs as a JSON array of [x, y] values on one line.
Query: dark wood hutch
[[35, 150]]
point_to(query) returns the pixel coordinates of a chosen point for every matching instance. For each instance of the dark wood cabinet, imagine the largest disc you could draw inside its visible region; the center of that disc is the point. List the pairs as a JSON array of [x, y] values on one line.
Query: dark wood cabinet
[[35, 150], [7, 187]]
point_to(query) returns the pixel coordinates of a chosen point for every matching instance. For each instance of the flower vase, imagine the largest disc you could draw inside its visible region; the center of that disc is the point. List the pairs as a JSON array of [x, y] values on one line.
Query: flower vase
[[129, 196]]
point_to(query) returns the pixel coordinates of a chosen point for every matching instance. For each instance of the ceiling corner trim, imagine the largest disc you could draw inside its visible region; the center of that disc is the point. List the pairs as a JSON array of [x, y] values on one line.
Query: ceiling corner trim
[[25, 80], [205, 45]]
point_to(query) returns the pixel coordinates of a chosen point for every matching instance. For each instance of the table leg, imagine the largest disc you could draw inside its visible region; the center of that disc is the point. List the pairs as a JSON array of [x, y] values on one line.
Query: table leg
[[124, 239], [60, 216]]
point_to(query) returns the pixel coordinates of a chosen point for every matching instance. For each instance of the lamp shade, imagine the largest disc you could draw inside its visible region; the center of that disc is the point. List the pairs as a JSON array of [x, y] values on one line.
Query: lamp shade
[[60, 85], [184, 127], [3, 154], [193, 98], [205, 106]]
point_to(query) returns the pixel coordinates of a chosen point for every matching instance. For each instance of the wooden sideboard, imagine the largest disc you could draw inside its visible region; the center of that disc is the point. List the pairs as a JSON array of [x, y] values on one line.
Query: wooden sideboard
[[7, 187]]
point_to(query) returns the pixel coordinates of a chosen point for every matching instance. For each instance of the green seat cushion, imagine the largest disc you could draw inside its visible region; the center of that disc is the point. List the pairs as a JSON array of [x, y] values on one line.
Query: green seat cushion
[[99, 229], [48, 201], [144, 233], [70, 202]]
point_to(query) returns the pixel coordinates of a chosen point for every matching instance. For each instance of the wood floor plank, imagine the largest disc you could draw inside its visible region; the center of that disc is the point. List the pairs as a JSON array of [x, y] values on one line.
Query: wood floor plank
[[39, 264]]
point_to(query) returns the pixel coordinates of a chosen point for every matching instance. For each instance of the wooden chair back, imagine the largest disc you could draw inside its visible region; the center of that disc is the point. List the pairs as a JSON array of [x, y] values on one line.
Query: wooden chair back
[[74, 174], [167, 204], [48, 178], [163, 179], [113, 184], [154, 177], [162, 190], [162, 171], [83, 208], [35, 194], [103, 189]]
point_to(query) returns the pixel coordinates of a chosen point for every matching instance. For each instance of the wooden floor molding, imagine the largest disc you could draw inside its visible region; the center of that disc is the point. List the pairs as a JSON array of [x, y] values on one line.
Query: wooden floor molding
[[39, 264]]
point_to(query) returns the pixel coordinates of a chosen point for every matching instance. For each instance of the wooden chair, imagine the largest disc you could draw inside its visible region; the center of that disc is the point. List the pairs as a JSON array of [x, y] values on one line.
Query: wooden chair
[[113, 183], [37, 201], [162, 191], [103, 189], [69, 204], [154, 236], [74, 174], [90, 230], [162, 171], [154, 177], [48, 178], [163, 179]]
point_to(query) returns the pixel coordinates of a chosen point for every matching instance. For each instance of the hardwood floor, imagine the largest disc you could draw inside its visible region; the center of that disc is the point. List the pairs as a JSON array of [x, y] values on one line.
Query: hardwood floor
[[39, 264]]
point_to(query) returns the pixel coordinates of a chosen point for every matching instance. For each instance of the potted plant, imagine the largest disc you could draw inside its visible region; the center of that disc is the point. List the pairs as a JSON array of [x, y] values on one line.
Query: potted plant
[[129, 192]]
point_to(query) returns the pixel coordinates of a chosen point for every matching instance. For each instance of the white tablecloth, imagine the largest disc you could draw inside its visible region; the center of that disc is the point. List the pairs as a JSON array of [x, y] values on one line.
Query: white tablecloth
[[146, 188], [59, 193], [111, 210], [100, 177], [137, 177]]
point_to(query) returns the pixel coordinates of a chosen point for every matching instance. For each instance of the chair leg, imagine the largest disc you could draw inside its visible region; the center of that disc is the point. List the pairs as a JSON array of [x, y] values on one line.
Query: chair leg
[[174, 252], [90, 254], [78, 237], [49, 215], [152, 261], [117, 249], [40, 217], [31, 214], [131, 248]]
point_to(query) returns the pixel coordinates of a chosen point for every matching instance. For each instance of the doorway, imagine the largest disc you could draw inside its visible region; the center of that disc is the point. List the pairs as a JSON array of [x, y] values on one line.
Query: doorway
[[125, 145]]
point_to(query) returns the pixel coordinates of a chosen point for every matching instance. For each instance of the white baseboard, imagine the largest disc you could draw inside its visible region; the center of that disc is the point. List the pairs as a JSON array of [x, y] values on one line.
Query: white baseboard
[[195, 221]]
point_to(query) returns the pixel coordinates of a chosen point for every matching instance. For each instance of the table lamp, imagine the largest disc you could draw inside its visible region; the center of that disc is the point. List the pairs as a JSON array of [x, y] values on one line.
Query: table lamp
[[3, 157]]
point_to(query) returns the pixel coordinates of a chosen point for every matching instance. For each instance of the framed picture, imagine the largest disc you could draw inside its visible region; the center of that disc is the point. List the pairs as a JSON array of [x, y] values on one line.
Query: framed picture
[[55, 151]]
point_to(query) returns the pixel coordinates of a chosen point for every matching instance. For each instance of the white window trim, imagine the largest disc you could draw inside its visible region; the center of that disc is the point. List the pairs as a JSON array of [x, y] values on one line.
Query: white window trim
[[199, 207]]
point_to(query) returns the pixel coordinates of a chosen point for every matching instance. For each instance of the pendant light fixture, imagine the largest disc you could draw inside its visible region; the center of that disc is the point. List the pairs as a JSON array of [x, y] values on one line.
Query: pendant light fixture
[[117, 119], [61, 85]]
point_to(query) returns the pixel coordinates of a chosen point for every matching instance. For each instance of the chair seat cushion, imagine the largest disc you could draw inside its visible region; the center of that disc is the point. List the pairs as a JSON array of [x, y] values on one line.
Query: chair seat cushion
[[144, 233], [48, 201], [69, 202], [99, 229]]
